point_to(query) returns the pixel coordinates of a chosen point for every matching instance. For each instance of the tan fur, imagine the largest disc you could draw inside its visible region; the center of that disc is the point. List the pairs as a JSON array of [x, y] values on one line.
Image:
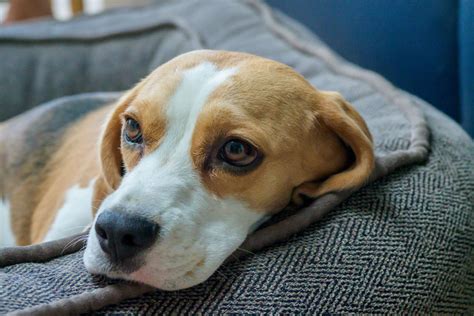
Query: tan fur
[[307, 135], [75, 162], [282, 120], [350, 127], [313, 142]]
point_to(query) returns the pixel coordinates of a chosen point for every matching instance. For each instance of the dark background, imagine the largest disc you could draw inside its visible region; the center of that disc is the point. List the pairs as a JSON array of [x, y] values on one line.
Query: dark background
[[423, 46]]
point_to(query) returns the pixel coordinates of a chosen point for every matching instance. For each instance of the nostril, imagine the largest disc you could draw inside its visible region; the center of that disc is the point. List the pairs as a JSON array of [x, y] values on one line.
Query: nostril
[[100, 232], [102, 236], [129, 240], [123, 236]]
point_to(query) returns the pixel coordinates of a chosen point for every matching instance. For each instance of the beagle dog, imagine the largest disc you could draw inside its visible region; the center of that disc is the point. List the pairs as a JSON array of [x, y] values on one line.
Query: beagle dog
[[174, 176]]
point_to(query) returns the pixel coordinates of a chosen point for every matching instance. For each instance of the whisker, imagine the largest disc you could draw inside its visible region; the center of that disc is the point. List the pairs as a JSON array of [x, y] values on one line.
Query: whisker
[[67, 246], [247, 251], [74, 227], [237, 258], [222, 274], [83, 247], [74, 242]]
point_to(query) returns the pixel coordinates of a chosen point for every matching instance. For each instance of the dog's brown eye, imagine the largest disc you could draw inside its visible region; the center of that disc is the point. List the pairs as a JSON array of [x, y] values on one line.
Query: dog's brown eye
[[133, 133], [238, 153]]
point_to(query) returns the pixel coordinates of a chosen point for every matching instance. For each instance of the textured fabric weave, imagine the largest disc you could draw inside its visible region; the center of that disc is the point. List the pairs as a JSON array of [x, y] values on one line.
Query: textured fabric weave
[[402, 244]]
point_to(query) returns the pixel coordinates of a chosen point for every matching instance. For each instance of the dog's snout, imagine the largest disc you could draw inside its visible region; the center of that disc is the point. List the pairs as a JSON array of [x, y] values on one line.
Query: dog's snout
[[122, 236]]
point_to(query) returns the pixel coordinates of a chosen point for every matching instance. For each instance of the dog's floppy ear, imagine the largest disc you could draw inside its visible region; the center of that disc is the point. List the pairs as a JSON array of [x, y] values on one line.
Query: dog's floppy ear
[[339, 116], [110, 156]]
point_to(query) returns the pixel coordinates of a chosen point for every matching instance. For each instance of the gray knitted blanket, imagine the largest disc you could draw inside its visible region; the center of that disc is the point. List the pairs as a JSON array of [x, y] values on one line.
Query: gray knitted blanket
[[402, 244]]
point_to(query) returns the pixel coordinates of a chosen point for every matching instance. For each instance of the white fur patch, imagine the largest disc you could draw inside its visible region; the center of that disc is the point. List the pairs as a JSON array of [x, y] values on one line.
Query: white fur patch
[[6, 234], [75, 214], [198, 230]]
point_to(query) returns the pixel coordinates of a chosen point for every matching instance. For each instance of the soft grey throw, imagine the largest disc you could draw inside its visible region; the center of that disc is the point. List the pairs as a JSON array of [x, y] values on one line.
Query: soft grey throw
[[404, 243]]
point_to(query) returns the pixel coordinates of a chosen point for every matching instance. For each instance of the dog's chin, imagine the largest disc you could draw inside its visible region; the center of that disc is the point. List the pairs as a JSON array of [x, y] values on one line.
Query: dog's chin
[[176, 280], [181, 280], [169, 274], [181, 277]]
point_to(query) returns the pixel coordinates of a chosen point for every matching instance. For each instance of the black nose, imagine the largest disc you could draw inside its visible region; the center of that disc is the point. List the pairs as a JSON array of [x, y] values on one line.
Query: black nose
[[122, 236]]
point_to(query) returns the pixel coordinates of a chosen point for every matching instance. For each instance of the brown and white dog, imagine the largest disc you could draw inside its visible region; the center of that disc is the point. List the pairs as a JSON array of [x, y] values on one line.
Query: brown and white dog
[[188, 163]]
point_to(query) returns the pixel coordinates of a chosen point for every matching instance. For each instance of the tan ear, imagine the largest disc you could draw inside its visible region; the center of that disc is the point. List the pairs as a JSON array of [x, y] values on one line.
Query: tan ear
[[110, 156], [340, 117]]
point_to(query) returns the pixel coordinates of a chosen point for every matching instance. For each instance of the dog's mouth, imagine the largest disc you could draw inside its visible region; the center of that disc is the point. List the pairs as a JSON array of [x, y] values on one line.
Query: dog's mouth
[[118, 269], [167, 277], [181, 276], [159, 266]]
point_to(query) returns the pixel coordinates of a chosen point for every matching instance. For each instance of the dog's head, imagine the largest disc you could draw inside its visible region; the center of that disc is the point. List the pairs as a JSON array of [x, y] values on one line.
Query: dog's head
[[201, 151]]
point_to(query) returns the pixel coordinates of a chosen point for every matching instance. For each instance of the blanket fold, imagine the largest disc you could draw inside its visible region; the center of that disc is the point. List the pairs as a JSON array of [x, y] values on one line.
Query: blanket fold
[[288, 224]]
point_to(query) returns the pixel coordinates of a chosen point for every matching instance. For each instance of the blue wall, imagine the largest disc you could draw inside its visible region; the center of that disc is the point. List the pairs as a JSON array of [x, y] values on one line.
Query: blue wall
[[413, 43], [466, 64]]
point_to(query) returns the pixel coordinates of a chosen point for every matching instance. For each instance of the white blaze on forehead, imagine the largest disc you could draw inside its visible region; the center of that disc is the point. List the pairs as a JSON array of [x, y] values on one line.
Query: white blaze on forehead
[[188, 101], [169, 167]]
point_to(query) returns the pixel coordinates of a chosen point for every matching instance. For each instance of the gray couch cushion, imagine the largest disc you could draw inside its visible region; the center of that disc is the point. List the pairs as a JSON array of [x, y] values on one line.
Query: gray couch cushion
[[402, 244], [105, 53]]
